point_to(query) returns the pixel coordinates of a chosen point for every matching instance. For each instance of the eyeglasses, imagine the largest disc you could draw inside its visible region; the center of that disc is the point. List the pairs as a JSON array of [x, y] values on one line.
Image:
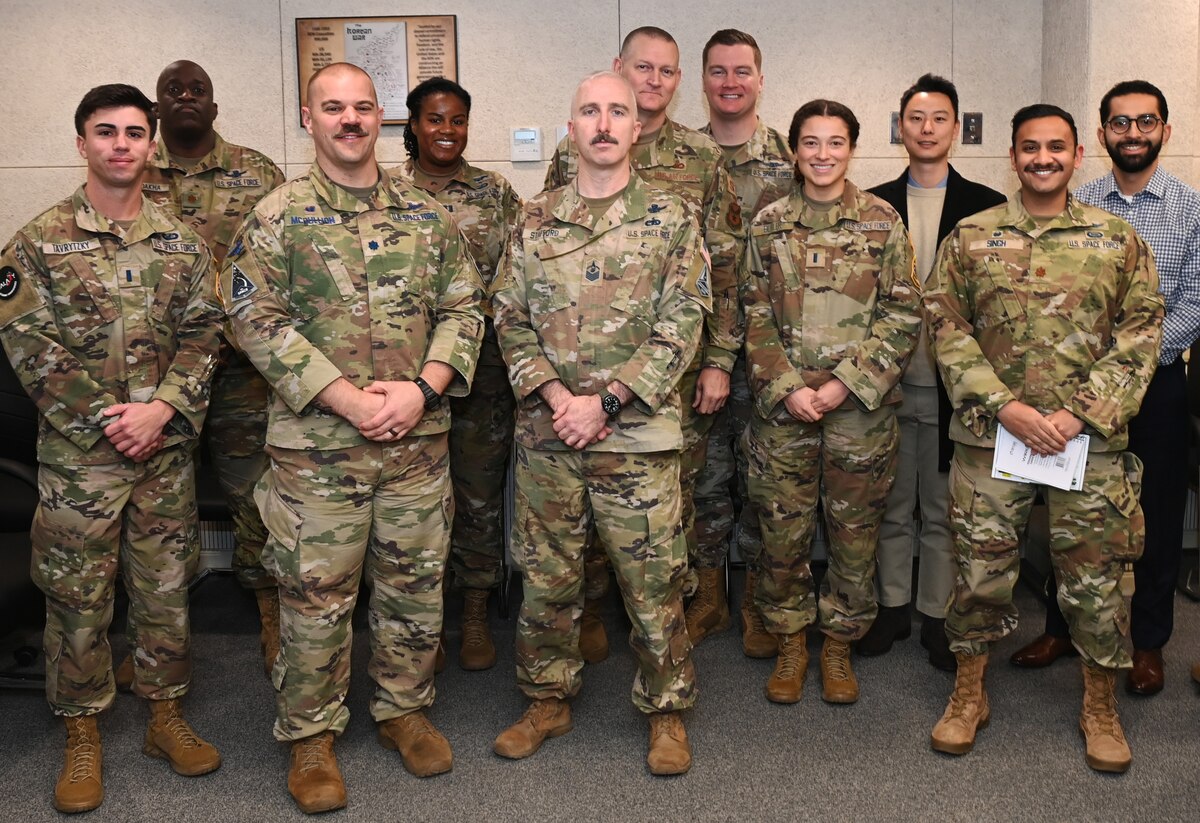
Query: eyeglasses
[[1146, 123]]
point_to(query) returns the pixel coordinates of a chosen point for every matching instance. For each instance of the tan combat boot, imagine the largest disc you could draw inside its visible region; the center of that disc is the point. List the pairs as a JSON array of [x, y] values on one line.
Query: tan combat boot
[[268, 633], [708, 612], [757, 642], [838, 684], [1107, 750], [168, 736], [478, 651], [786, 683], [424, 750], [123, 674], [80, 786], [548, 717], [593, 640], [314, 780], [968, 710], [670, 752]]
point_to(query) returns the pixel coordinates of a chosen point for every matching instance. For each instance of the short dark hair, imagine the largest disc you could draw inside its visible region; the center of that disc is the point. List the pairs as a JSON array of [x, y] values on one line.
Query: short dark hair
[[931, 84], [416, 98], [653, 32], [822, 108], [732, 37], [1132, 87], [1037, 110], [114, 96]]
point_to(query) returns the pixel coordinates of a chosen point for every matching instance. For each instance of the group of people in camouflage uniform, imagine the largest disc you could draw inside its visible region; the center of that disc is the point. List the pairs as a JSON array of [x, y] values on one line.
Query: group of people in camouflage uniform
[[686, 328]]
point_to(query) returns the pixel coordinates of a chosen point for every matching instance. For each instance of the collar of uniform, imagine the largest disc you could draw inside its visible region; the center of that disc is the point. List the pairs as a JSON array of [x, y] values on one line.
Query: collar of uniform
[[758, 147], [150, 220], [466, 174], [218, 158], [799, 211], [1018, 218], [388, 193], [631, 205], [664, 146]]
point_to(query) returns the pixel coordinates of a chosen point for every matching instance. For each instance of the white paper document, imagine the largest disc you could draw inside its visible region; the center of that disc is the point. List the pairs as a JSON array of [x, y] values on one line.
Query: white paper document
[[1015, 461]]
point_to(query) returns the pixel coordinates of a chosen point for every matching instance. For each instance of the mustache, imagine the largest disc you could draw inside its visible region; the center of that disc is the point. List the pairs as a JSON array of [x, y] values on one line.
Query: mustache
[[604, 137], [351, 129], [1032, 167]]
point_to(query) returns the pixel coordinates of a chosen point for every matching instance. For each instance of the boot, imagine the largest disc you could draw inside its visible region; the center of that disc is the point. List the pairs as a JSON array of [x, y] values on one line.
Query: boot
[[268, 633], [708, 612], [168, 736], [547, 717], [314, 780], [892, 623], [933, 638], [1107, 750], [670, 752], [80, 786], [593, 641], [968, 709], [786, 683], [439, 657], [423, 749], [838, 684], [123, 674], [756, 640], [478, 651]]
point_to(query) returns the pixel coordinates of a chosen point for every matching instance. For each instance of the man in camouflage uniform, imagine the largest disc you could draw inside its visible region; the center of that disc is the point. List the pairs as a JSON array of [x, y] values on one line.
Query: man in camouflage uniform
[[1045, 317], [759, 163], [684, 162], [832, 315], [211, 185], [485, 208], [107, 318], [599, 312], [353, 295]]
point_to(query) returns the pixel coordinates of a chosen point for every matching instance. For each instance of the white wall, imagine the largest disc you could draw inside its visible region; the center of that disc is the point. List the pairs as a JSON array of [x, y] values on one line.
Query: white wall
[[520, 59]]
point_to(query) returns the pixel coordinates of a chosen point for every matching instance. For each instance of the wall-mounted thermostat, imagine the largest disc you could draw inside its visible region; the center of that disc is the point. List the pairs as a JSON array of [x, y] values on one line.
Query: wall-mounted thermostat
[[526, 144]]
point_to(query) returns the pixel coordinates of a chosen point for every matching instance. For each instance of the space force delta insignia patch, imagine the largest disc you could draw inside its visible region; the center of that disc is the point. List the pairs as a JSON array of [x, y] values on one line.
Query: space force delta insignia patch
[[9, 282], [240, 288]]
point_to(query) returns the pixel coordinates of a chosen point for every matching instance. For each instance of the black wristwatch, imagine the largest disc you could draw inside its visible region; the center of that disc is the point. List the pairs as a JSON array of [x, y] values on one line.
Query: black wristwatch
[[432, 398], [610, 403]]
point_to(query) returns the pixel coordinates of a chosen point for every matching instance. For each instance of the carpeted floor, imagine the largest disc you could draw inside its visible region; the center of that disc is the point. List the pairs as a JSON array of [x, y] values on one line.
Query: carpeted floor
[[753, 760]]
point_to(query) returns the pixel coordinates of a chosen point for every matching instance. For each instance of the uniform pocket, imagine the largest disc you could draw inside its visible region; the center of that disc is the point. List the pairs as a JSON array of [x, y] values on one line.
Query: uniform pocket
[[281, 556], [1125, 524]]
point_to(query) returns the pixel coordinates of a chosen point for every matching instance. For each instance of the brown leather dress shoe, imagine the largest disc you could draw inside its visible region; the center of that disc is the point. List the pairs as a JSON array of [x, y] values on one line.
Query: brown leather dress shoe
[[1146, 676], [1042, 652]]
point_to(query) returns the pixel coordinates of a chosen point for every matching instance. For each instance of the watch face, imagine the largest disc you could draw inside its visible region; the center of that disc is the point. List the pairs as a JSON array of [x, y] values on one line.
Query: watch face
[[611, 404]]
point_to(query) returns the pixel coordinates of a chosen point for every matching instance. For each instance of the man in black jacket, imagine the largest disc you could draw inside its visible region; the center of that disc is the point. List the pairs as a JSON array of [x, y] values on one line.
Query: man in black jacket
[[931, 198]]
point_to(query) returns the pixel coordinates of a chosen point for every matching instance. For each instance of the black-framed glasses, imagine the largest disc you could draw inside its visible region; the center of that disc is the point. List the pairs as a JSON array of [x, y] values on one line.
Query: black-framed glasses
[[1146, 123]]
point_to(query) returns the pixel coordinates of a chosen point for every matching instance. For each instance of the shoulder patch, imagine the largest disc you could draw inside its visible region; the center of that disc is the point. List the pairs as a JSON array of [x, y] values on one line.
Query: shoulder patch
[[702, 285], [240, 286], [9, 283]]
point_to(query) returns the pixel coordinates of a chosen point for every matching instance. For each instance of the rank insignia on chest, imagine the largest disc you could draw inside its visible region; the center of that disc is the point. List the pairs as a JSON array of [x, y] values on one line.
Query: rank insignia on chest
[[592, 273], [815, 259], [373, 245], [241, 286], [192, 200]]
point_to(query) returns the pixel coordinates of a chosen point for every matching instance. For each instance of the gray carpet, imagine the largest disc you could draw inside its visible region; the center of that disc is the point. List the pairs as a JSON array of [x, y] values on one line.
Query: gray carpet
[[753, 760]]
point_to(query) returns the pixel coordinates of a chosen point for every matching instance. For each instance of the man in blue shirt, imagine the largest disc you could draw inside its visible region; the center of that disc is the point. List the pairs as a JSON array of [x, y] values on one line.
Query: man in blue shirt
[[1166, 213]]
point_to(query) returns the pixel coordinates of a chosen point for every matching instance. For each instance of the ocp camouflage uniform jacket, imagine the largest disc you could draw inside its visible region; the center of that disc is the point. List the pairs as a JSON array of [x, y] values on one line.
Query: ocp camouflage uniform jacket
[[589, 301], [485, 208], [1065, 315], [688, 164], [829, 294], [92, 316], [761, 169], [320, 285], [214, 195]]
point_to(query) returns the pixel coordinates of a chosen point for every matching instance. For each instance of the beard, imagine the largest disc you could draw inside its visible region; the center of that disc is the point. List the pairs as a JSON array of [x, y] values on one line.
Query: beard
[[1132, 165]]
